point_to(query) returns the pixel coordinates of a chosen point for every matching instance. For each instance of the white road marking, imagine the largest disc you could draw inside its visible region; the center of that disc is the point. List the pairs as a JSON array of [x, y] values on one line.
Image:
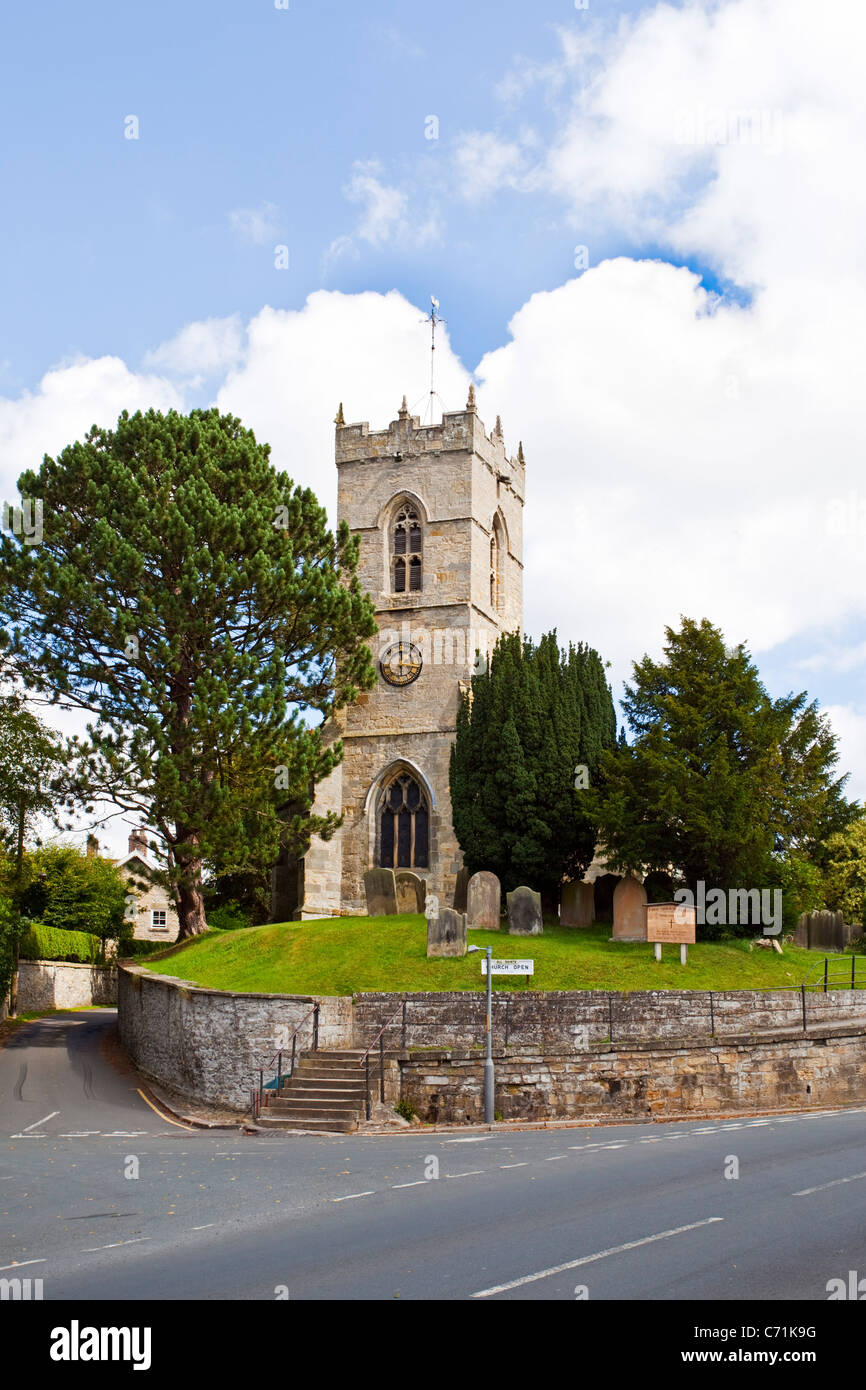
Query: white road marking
[[599, 1255], [476, 1139], [555, 1158], [121, 1133], [614, 1146], [421, 1182], [711, 1129], [473, 1173], [136, 1240], [204, 1228], [514, 1165], [78, 1134], [838, 1182], [37, 1123], [352, 1196], [19, 1264]]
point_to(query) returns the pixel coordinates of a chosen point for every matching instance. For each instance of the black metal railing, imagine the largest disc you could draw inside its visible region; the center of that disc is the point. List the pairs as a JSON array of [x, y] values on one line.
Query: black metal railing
[[837, 974], [259, 1095], [379, 1042]]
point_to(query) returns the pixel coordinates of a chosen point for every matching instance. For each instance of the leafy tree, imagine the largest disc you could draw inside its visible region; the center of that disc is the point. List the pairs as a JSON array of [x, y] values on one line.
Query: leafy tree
[[73, 891], [31, 761], [193, 601], [531, 723], [844, 871], [720, 779]]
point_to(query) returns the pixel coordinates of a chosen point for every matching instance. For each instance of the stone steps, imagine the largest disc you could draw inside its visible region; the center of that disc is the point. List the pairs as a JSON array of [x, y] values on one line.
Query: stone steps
[[325, 1093]]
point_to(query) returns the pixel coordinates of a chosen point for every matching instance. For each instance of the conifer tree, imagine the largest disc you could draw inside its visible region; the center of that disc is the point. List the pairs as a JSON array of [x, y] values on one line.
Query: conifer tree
[[192, 600], [530, 721]]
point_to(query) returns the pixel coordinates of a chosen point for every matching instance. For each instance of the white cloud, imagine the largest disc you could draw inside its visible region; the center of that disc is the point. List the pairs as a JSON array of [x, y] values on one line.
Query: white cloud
[[849, 724], [257, 225], [69, 399], [201, 350], [386, 216], [485, 163]]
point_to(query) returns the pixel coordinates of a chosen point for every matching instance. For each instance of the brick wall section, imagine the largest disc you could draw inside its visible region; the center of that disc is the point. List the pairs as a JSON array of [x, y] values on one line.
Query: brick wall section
[[828, 1069], [51, 984], [210, 1043]]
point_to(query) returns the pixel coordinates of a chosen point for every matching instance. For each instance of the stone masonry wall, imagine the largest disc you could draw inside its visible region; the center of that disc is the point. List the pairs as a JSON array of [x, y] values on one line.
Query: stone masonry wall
[[52, 984], [555, 1054], [210, 1043], [824, 1069]]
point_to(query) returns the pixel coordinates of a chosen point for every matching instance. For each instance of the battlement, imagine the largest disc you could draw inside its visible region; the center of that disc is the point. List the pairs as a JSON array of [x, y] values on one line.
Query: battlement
[[459, 431]]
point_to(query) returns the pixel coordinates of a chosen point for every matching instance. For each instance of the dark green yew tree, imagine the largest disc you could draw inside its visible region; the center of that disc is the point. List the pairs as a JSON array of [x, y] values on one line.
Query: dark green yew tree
[[194, 602], [529, 738], [721, 782]]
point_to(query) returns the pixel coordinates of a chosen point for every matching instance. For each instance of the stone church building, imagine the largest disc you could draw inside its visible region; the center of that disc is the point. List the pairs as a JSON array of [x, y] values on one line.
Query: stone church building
[[439, 512]]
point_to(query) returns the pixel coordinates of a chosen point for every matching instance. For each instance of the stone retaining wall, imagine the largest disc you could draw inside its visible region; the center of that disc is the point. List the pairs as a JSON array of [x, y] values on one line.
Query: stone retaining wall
[[569, 1053], [57, 984], [642, 1083], [209, 1043], [572, 1020]]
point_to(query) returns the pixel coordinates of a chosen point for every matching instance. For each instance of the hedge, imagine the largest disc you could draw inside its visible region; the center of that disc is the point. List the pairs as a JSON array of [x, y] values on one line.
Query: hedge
[[53, 943]]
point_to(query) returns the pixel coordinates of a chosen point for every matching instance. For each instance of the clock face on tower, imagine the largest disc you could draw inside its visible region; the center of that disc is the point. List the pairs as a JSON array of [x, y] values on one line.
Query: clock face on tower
[[401, 663]]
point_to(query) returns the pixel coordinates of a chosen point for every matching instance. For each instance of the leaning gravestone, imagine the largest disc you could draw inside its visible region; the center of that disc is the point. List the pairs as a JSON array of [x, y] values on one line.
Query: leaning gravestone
[[411, 891], [577, 905], [460, 888], [524, 913], [483, 898], [446, 933], [380, 888], [629, 910]]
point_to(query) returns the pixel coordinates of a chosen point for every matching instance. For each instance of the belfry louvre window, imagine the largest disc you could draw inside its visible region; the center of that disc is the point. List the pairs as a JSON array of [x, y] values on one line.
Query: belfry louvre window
[[406, 548], [404, 825]]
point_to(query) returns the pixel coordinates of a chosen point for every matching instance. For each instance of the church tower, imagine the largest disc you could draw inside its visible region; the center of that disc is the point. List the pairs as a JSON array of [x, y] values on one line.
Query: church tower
[[439, 513]]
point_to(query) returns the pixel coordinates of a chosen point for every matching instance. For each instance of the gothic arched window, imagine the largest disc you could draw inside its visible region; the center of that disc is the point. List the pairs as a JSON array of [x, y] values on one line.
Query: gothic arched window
[[496, 543], [404, 825], [406, 550]]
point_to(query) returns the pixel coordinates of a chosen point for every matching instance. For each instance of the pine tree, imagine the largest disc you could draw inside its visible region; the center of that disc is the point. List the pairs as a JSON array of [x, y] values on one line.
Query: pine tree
[[191, 600]]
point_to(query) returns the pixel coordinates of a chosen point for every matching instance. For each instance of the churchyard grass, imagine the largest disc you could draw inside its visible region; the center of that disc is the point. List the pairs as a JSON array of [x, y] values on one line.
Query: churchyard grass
[[346, 955]]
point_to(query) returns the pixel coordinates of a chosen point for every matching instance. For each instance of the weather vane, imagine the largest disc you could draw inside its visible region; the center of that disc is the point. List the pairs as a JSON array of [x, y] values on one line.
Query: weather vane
[[434, 320]]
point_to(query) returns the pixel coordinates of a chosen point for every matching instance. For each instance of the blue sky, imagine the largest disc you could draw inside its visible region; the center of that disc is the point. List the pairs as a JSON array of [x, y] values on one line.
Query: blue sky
[[115, 244], [687, 398]]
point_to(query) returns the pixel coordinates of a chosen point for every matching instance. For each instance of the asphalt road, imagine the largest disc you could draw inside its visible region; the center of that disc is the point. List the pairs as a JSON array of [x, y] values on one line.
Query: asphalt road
[[102, 1198]]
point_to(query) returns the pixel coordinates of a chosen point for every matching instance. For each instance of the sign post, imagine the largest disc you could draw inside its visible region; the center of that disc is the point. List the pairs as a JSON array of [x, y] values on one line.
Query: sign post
[[673, 922]]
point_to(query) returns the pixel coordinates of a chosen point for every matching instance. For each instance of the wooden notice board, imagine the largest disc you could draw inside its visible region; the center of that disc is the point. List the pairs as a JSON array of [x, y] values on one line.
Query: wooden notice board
[[672, 922]]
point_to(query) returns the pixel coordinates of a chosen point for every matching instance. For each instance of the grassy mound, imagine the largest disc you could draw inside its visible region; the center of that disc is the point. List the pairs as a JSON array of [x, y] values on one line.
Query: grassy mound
[[347, 955]]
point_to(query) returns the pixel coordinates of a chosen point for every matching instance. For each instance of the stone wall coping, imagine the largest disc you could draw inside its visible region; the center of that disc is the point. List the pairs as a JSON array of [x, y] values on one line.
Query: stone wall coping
[[189, 985], [68, 964]]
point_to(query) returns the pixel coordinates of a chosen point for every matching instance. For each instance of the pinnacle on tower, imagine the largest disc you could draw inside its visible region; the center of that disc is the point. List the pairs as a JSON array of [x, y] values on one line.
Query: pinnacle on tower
[[338, 418], [497, 428], [520, 458], [470, 400], [404, 410]]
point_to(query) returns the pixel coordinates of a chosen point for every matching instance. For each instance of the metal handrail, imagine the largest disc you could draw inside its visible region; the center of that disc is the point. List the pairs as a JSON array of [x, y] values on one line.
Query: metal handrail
[[257, 1094], [365, 1060]]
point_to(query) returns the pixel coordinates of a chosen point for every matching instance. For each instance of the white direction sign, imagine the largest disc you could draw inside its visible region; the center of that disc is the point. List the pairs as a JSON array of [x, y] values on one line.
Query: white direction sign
[[508, 967]]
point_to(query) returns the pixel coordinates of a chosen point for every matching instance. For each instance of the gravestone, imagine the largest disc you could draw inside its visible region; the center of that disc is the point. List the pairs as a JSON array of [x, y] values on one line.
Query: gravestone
[[460, 888], [483, 898], [577, 905], [380, 888], [446, 933], [411, 891], [629, 910], [524, 913]]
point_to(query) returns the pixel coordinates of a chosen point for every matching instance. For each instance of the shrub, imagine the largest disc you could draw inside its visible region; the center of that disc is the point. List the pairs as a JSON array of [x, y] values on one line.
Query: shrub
[[228, 917]]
